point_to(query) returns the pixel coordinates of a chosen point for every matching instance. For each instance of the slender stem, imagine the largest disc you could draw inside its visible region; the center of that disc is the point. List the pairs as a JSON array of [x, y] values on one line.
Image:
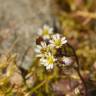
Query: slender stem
[[77, 69], [41, 84], [38, 86], [83, 81]]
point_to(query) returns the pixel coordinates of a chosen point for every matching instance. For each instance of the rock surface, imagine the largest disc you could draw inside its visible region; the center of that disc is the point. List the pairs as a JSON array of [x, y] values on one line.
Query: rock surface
[[20, 20]]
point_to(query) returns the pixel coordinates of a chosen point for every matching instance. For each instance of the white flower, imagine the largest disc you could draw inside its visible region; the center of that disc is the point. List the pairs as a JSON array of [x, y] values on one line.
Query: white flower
[[57, 41], [67, 60], [41, 49], [77, 91], [48, 61], [45, 32]]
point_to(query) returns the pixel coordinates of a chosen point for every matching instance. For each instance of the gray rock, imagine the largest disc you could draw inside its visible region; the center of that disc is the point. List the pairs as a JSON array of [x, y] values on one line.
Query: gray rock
[[20, 19]]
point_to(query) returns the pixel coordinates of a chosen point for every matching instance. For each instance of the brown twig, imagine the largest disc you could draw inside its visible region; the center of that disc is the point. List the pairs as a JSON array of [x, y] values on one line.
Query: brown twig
[[86, 14]]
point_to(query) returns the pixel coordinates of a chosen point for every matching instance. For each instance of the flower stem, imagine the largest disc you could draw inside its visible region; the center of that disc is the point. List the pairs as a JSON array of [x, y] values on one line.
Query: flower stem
[[41, 84], [77, 69]]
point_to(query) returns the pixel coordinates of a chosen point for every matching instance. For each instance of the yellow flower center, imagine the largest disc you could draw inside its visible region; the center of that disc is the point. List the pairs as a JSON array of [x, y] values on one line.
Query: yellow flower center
[[43, 50], [58, 42], [45, 32], [50, 60]]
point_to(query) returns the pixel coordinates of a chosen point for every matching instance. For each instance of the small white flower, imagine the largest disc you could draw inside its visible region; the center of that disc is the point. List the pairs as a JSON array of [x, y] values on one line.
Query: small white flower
[[67, 60], [77, 91], [41, 49], [57, 41], [45, 32], [48, 61]]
